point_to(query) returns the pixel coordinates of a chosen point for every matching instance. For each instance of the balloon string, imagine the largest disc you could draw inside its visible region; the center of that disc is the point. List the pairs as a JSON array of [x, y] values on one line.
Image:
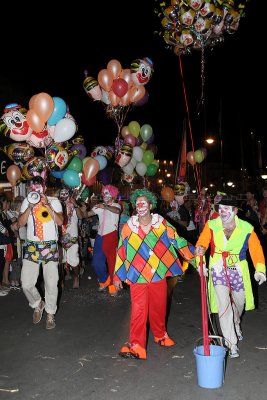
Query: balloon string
[[189, 122]]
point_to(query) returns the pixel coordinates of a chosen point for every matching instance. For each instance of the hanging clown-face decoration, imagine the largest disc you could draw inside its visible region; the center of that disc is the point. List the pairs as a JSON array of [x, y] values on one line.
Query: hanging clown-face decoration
[[13, 123], [142, 71]]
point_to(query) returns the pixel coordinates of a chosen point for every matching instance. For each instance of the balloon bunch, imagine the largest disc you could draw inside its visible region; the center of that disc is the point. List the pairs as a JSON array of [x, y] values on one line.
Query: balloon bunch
[[195, 24], [196, 157], [119, 89], [47, 120], [137, 151]]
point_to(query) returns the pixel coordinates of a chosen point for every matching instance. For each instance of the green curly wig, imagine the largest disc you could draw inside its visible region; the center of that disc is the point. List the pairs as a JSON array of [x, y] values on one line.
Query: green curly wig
[[143, 193]]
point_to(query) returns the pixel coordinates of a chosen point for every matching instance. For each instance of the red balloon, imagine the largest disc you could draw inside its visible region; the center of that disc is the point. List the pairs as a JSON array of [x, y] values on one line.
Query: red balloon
[[88, 182], [130, 139], [119, 87]]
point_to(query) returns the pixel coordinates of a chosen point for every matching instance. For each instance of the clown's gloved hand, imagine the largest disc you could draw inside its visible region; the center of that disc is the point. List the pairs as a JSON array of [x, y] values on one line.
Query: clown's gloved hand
[[259, 277], [205, 270]]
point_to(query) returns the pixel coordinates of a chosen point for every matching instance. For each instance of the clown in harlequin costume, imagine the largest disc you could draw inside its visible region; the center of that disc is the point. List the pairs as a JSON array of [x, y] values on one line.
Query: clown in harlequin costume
[[229, 286], [146, 256], [106, 240], [69, 234], [42, 218]]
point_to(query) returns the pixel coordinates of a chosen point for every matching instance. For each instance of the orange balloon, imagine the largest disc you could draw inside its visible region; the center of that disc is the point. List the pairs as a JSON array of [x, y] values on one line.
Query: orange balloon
[[34, 121], [90, 168], [126, 99], [127, 76], [191, 158], [113, 98], [43, 105], [105, 79], [167, 194], [13, 174], [115, 68], [31, 102], [137, 93]]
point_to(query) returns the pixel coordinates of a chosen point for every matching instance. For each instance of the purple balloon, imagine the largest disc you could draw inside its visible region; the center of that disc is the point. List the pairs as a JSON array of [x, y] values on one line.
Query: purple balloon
[[151, 139], [142, 101], [130, 139], [105, 175], [81, 150]]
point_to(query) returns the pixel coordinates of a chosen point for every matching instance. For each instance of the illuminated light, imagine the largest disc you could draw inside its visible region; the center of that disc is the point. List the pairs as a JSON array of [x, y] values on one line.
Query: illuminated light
[[210, 140], [171, 163], [264, 176], [229, 183], [211, 185], [164, 162], [160, 180], [168, 175], [194, 191]]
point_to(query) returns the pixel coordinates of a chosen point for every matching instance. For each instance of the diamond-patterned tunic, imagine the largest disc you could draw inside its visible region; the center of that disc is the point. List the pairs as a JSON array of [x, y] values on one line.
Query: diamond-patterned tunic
[[143, 258]]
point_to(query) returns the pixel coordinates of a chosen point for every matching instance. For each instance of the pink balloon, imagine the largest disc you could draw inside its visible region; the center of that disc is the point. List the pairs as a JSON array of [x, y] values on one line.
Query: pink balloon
[[32, 99], [105, 79], [113, 98], [114, 67], [191, 158]]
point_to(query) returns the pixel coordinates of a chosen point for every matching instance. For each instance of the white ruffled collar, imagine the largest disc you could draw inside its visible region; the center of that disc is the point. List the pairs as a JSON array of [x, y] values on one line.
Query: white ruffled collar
[[134, 222]]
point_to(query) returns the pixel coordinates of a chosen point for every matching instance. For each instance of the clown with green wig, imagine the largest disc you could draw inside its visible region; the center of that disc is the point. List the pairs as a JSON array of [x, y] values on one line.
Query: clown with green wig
[[146, 256]]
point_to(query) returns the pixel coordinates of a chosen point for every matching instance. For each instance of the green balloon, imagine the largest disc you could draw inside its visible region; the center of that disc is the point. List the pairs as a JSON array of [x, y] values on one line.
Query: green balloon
[[75, 164], [146, 132], [148, 157], [151, 170], [85, 194]]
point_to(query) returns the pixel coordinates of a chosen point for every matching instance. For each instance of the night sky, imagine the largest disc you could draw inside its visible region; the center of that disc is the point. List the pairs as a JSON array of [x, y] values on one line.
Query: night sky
[[76, 38]]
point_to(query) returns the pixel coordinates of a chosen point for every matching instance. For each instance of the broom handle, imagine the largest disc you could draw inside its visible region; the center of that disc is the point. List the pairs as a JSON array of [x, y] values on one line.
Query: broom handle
[[204, 310]]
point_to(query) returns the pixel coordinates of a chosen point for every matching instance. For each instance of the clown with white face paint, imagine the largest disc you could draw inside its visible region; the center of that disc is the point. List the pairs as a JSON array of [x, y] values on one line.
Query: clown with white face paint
[[69, 235], [229, 286], [146, 255], [106, 240]]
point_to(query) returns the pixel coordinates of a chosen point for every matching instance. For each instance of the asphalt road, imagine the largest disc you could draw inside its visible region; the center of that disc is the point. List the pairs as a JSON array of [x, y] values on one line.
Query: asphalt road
[[79, 359]]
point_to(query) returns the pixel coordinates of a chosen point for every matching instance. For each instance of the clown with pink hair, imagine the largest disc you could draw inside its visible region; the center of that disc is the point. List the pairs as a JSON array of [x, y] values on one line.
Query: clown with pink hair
[[106, 241]]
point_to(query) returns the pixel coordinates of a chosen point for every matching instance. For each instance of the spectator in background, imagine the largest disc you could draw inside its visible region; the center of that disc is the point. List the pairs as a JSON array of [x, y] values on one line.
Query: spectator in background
[[250, 211]]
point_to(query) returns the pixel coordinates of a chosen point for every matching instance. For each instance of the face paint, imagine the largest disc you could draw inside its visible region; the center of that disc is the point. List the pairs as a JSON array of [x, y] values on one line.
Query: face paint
[[106, 196], [142, 207], [63, 194], [37, 187], [226, 213]]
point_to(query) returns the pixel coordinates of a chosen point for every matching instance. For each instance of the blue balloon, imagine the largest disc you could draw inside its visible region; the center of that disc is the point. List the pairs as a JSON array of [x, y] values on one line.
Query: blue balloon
[[102, 161], [71, 178], [60, 109], [57, 174]]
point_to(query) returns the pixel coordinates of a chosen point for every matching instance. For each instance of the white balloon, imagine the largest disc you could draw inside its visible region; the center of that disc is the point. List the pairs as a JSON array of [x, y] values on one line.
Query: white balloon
[[133, 162], [141, 168], [65, 129], [138, 153], [105, 97], [128, 169]]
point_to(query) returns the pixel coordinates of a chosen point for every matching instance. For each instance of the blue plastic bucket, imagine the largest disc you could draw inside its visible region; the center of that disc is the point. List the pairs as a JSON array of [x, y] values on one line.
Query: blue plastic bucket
[[210, 369]]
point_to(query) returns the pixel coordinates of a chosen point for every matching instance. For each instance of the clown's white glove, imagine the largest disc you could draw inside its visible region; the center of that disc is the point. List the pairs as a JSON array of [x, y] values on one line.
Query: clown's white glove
[[259, 277], [205, 270]]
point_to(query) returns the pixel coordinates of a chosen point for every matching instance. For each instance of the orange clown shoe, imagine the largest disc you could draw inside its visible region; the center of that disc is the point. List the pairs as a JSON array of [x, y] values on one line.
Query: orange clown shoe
[[103, 286], [133, 351], [166, 341]]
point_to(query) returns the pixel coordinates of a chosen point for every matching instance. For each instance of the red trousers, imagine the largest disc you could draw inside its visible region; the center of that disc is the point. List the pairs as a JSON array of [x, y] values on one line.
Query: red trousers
[[149, 301]]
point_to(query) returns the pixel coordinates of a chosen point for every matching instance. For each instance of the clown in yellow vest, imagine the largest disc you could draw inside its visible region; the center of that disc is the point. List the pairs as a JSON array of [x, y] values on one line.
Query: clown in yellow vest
[[229, 285]]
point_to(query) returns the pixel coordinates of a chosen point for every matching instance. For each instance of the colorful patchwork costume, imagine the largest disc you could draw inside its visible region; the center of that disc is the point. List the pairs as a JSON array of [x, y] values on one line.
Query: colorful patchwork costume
[[144, 260]]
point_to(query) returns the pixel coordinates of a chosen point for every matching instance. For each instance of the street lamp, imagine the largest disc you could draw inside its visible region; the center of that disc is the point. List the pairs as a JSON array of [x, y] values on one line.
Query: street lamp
[[210, 140]]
